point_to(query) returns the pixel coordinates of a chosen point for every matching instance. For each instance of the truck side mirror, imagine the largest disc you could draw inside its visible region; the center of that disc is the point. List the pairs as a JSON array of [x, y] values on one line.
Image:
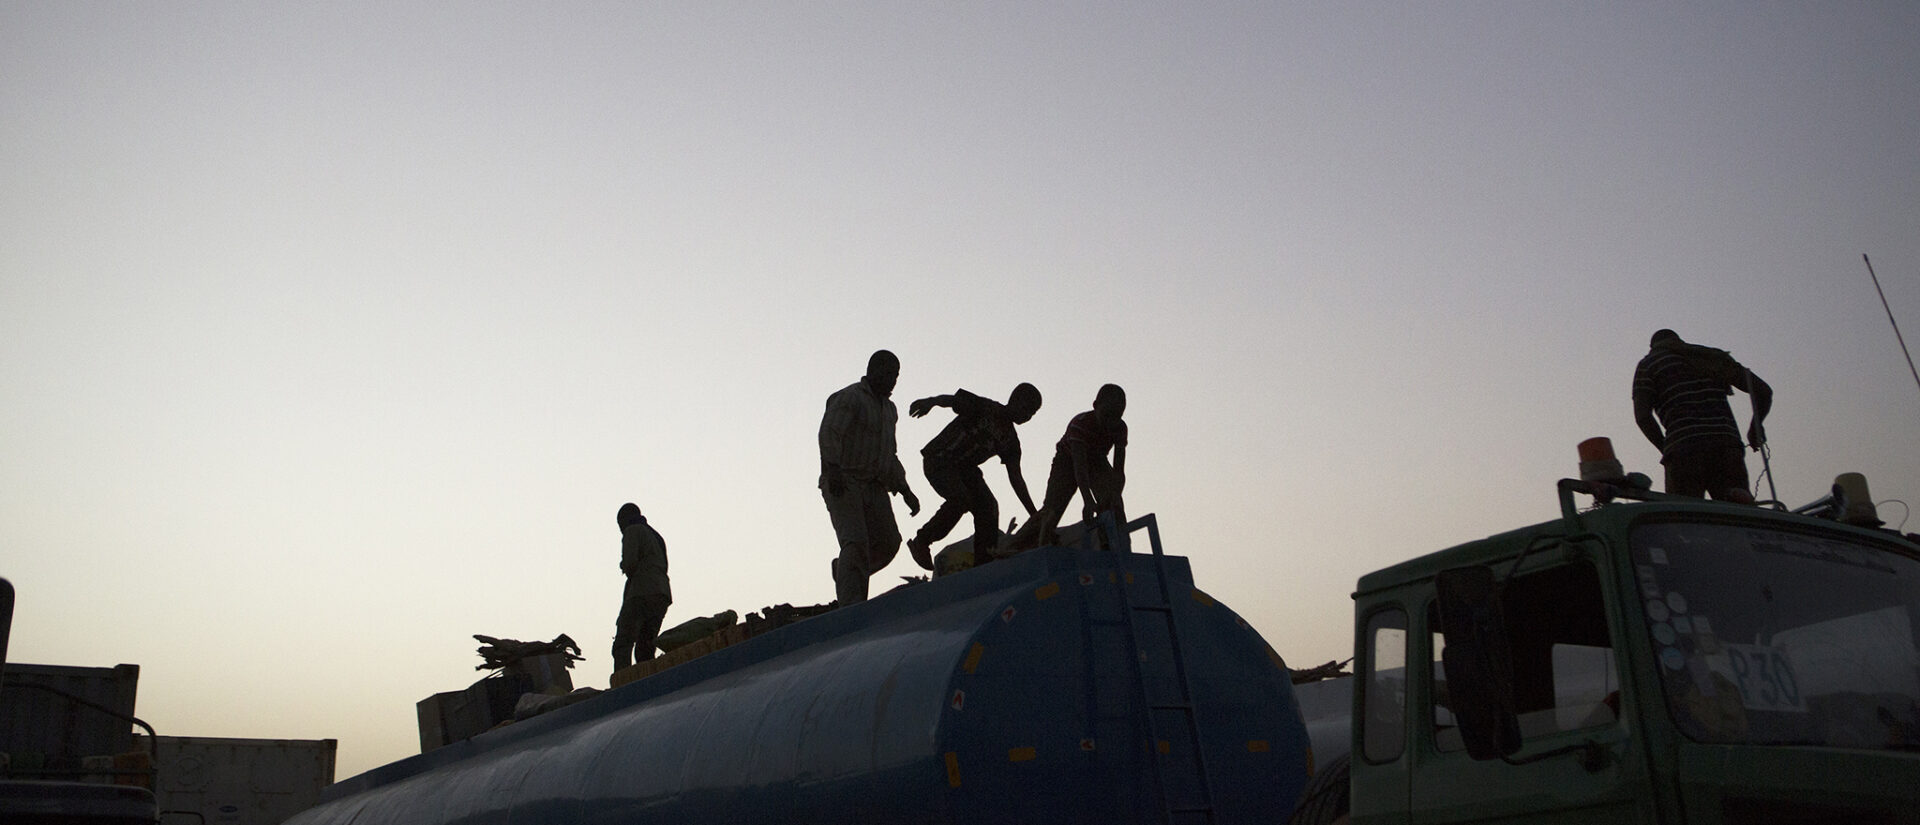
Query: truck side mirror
[[1478, 661]]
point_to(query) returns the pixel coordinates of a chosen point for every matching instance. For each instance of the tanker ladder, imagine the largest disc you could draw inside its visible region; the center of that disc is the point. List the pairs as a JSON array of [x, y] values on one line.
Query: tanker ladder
[[1163, 755]]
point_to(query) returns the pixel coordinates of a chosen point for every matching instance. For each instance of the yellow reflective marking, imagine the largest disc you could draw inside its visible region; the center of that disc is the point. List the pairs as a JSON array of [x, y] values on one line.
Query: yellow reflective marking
[[1257, 746], [953, 769], [1022, 754], [1165, 746], [1047, 592], [1202, 598], [973, 657]]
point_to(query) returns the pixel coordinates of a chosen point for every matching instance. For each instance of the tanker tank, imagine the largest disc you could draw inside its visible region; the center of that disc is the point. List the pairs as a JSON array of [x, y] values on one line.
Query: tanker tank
[[1061, 685]]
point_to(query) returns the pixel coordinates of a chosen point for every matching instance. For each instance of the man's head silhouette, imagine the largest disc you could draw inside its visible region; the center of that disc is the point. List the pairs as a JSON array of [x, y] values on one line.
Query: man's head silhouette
[[883, 372], [1023, 403], [1110, 403]]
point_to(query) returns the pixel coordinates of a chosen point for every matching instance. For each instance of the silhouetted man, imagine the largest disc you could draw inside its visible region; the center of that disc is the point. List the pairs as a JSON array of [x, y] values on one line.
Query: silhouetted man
[[859, 466], [981, 429], [1687, 386], [643, 558], [1080, 464]]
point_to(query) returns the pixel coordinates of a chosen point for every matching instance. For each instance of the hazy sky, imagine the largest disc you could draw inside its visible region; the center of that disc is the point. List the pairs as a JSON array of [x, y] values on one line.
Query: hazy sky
[[331, 334]]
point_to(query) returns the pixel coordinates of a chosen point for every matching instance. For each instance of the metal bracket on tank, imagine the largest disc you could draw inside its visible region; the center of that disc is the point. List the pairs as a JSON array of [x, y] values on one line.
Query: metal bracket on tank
[[1604, 493], [1111, 536]]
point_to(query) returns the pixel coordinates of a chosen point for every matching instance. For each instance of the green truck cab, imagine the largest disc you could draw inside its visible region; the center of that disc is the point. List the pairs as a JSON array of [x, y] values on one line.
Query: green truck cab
[[1664, 660]]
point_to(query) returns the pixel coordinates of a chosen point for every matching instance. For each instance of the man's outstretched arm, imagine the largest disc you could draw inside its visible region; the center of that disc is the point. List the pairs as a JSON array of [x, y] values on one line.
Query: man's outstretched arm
[[960, 401], [1019, 483], [899, 476], [1643, 415], [921, 406], [1082, 478]]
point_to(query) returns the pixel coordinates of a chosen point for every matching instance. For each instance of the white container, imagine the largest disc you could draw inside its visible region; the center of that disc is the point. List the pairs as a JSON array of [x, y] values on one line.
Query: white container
[[240, 781]]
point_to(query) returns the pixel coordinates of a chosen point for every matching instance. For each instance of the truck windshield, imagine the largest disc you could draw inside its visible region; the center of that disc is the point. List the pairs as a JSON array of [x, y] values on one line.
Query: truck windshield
[[1768, 636]]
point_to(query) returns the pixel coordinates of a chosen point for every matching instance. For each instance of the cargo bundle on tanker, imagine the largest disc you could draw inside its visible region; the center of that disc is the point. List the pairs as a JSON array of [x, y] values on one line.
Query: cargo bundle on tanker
[[1063, 684]]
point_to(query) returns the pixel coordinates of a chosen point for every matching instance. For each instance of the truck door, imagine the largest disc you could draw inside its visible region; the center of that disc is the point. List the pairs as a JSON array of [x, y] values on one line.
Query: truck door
[[1379, 762], [1577, 762]]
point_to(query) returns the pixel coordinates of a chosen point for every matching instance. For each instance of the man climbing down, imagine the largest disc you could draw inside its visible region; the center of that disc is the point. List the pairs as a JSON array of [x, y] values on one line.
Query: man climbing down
[[981, 428], [643, 557], [1080, 464], [1687, 386]]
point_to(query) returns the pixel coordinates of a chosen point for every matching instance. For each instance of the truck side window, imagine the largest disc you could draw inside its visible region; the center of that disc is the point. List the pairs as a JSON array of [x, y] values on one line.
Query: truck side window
[[1383, 730], [1563, 668]]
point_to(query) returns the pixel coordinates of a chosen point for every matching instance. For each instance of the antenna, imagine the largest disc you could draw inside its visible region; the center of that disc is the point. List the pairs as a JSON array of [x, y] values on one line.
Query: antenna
[[1896, 325]]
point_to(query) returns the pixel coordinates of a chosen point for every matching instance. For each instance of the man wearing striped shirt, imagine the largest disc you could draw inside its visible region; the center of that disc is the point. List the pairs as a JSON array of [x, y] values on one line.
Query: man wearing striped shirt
[[859, 466], [1686, 386]]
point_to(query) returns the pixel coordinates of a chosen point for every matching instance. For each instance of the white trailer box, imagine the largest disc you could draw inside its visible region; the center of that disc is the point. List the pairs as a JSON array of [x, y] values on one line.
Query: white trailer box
[[239, 781]]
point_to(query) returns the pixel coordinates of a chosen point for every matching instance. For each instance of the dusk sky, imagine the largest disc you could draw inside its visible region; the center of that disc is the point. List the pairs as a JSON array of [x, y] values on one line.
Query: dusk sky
[[332, 334]]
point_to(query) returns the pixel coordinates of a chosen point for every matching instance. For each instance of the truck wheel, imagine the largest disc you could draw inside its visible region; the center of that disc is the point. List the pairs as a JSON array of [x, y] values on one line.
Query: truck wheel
[[1326, 799]]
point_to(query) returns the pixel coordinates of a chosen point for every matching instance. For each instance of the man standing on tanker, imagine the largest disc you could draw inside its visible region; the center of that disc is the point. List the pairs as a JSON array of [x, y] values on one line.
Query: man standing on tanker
[[1687, 386], [1080, 464], [981, 429], [648, 594], [859, 467]]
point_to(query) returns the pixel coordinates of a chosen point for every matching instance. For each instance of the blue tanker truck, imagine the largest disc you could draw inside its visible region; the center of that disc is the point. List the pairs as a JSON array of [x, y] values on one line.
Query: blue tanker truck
[[1060, 685], [1649, 658]]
